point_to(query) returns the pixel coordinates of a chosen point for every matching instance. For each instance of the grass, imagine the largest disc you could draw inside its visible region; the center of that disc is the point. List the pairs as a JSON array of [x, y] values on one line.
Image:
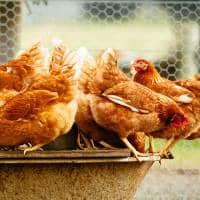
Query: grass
[[186, 153]]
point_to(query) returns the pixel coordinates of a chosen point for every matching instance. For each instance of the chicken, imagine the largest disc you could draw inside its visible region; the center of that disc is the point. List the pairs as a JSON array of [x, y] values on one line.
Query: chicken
[[88, 128], [119, 104], [38, 116], [147, 75]]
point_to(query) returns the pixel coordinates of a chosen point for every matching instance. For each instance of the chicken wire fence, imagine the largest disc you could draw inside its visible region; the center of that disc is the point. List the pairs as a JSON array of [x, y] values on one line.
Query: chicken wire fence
[[166, 32], [10, 14]]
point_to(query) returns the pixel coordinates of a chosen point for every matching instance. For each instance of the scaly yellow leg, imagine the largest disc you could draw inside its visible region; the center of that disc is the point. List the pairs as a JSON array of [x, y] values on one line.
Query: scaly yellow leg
[[151, 145], [87, 142], [170, 143], [79, 141], [133, 150], [93, 145], [106, 145]]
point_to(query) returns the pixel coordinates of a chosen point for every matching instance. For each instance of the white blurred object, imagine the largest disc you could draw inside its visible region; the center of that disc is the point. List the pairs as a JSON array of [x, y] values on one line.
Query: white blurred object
[[56, 41], [83, 55]]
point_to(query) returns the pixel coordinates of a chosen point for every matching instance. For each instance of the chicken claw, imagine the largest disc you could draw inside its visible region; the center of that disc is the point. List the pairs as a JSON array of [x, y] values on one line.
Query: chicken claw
[[164, 153], [23, 147], [34, 148], [167, 146], [106, 145], [133, 150]]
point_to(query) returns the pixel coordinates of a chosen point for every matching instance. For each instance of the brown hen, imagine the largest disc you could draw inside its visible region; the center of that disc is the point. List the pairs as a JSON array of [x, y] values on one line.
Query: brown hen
[[147, 75], [39, 115], [88, 128], [120, 105]]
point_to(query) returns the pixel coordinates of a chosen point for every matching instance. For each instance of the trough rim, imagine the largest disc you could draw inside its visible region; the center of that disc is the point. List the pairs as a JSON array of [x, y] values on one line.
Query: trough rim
[[72, 156]]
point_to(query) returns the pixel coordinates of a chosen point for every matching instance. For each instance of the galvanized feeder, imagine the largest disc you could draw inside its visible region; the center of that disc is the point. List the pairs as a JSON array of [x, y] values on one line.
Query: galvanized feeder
[[72, 174]]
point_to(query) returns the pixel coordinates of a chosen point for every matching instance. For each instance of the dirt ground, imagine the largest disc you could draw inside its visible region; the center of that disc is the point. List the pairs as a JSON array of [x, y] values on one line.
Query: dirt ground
[[170, 184]]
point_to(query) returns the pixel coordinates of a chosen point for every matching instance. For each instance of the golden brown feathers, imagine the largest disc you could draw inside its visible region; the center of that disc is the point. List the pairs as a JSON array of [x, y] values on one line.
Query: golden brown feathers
[[28, 63], [27, 104]]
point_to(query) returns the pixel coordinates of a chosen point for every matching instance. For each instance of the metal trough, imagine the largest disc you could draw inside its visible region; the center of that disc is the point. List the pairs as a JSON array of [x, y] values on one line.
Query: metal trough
[[71, 174]]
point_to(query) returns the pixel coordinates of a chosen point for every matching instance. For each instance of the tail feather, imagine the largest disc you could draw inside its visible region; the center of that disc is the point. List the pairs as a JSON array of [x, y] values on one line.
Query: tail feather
[[109, 57], [97, 76], [28, 62], [63, 68], [86, 67], [108, 73], [58, 58]]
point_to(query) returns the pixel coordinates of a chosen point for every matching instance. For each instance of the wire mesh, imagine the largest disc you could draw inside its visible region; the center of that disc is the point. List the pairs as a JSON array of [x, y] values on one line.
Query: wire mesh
[[10, 15], [177, 59], [166, 32]]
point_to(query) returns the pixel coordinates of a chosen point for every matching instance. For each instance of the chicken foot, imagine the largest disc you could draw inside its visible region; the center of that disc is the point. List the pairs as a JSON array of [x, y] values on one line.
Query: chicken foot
[[133, 150], [165, 150], [33, 148], [23, 146]]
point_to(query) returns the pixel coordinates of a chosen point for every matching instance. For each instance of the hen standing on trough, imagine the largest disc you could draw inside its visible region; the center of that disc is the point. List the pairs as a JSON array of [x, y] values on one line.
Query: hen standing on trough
[[89, 130], [45, 110], [120, 105], [147, 75]]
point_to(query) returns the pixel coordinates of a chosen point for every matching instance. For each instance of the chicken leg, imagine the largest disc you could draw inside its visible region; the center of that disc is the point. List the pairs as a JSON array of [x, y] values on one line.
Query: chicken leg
[[106, 145], [87, 142], [92, 143], [80, 145], [133, 150], [151, 145], [165, 150]]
